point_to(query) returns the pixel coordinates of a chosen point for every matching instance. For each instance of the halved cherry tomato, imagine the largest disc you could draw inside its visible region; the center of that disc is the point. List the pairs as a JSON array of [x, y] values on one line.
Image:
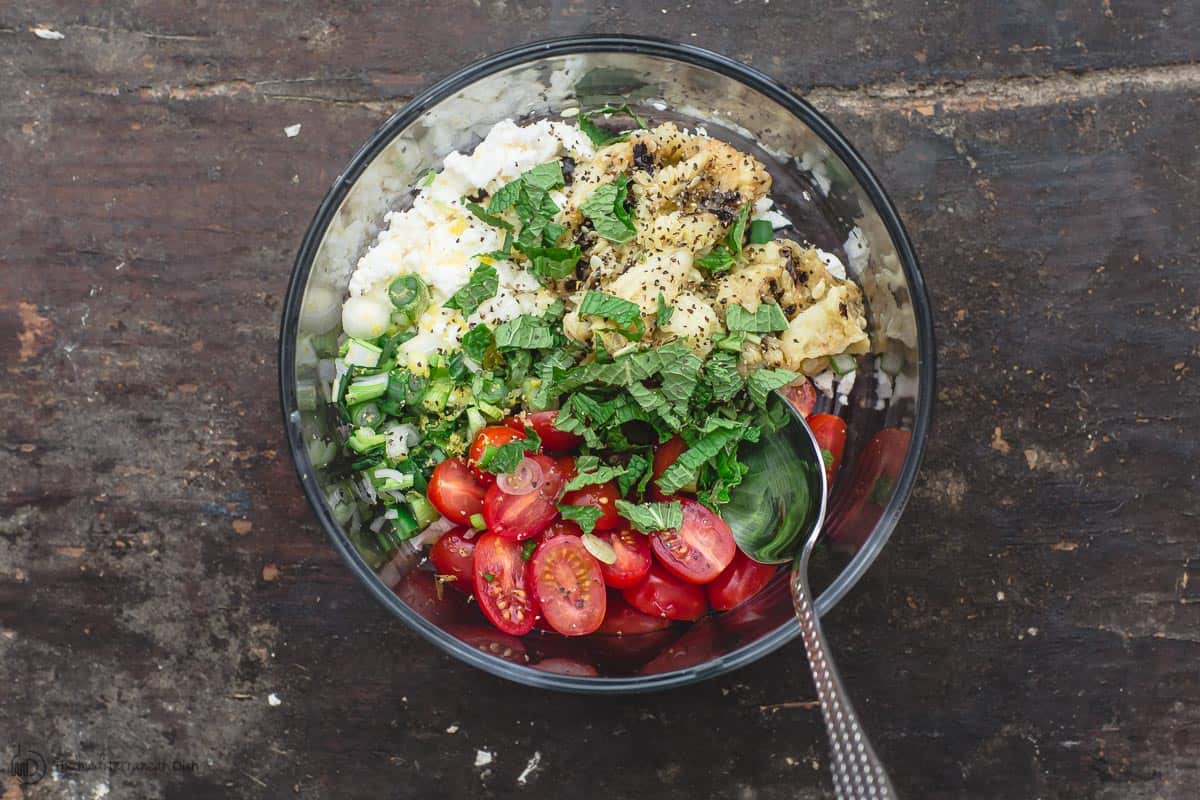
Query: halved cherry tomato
[[802, 397], [491, 641], [871, 486], [454, 555], [455, 492], [665, 456], [542, 422], [562, 527], [567, 666], [830, 433], [694, 647], [501, 586], [698, 551], [568, 586], [661, 594], [419, 589], [496, 436], [603, 496], [741, 579], [633, 558], [622, 619], [520, 516]]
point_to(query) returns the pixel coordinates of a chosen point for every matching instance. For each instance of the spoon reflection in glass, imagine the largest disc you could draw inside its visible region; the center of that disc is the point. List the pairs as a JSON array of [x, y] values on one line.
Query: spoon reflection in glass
[[781, 503]]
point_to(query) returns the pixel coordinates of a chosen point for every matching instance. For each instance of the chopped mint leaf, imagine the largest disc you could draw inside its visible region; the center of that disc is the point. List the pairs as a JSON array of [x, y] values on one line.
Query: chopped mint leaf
[[506, 457], [827, 457], [524, 332], [617, 309], [592, 477], [722, 432], [505, 197], [476, 343], [652, 517], [482, 214], [722, 376], [767, 318], [585, 516], [606, 209], [527, 548], [663, 316], [598, 135], [738, 231], [489, 576], [428, 178], [479, 289], [545, 176], [635, 470], [762, 382], [552, 263], [719, 260]]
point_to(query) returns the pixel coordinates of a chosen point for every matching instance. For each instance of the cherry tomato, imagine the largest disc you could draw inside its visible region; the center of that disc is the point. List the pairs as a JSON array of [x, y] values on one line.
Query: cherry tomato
[[665, 456], [830, 433], [871, 485], [661, 594], [603, 496], [419, 589], [542, 422], [568, 586], [698, 551], [695, 647], [562, 527], [520, 516], [455, 492], [454, 555], [567, 666], [622, 619], [501, 586], [633, 558], [566, 465], [491, 641], [741, 579], [496, 436], [802, 397]]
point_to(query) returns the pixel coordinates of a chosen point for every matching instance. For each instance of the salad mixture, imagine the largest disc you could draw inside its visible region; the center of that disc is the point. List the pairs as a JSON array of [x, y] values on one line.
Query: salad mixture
[[551, 361]]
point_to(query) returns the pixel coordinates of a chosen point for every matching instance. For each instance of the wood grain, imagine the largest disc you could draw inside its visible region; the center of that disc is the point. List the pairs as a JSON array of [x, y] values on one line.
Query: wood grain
[[1031, 632]]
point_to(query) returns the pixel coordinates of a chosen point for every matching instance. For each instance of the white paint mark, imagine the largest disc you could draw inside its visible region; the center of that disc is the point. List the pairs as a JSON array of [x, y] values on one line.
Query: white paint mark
[[292, 130], [273, 700], [1000, 596], [482, 758], [47, 33], [1033, 631], [99, 791], [119, 267], [530, 768], [452, 729]]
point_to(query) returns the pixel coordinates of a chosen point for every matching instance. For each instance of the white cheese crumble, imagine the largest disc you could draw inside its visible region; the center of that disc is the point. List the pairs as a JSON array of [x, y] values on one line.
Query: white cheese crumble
[[832, 263]]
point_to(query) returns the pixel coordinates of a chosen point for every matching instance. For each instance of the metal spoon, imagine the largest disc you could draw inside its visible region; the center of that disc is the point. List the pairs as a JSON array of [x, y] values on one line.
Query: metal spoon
[[780, 502]]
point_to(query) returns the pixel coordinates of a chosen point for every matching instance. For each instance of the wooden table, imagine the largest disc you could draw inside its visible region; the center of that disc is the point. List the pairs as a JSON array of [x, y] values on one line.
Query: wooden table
[[1032, 631]]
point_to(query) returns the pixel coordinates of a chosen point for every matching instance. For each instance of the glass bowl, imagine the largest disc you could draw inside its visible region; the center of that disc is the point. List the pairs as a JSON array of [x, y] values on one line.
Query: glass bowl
[[821, 184]]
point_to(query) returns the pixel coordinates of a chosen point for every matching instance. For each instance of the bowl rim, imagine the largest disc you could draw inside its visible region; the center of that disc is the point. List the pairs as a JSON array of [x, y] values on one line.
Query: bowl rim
[[666, 49]]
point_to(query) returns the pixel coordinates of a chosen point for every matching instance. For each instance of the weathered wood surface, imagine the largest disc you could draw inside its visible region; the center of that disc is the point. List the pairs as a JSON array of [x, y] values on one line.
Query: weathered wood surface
[[1033, 630]]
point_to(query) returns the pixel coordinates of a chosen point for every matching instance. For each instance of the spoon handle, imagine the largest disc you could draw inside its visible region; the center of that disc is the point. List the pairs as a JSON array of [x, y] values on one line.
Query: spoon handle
[[858, 774]]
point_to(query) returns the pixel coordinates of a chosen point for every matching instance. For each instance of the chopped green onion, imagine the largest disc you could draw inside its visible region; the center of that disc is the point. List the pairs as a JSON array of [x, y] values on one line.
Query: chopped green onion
[[761, 231], [405, 524], [410, 298], [437, 394], [422, 509], [842, 364], [477, 522], [366, 415], [390, 479], [321, 452], [599, 548], [368, 388], [475, 422], [490, 411], [361, 353], [527, 548], [364, 439], [489, 576]]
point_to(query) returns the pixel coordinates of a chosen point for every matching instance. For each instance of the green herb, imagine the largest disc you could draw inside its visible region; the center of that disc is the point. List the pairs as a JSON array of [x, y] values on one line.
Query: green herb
[[527, 548], [409, 297], [652, 517], [737, 232], [477, 522], [479, 289], [552, 263], [428, 178], [722, 376], [827, 457], [762, 382], [584, 516], [526, 331], [761, 231], [617, 309], [491, 219], [476, 343], [598, 135], [719, 260], [606, 209], [489, 576], [594, 476], [721, 433], [663, 316], [637, 469], [767, 318], [882, 490], [545, 176], [506, 457]]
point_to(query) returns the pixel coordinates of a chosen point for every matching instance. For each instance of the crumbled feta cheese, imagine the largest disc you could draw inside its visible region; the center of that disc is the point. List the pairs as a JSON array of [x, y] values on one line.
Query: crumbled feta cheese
[[833, 264], [858, 250], [482, 758], [824, 382], [764, 209]]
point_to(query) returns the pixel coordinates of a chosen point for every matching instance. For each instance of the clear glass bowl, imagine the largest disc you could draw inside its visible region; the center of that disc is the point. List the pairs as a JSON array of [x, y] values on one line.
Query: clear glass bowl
[[821, 184]]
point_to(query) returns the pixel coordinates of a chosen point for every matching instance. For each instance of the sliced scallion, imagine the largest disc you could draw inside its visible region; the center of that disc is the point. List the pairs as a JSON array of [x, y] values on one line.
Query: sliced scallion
[[360, 353], [366, 415], [364, 439], [368, 388], [842, 364], [477, 522], [761, 231], [410, 298]]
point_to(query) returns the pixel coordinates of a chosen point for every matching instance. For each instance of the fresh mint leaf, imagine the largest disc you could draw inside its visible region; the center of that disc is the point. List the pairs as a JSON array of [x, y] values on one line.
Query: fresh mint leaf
[[738, 231], [767, 318], [762, 382], [476, 343], [524, 332], [479, 289], [598, 135], [719, 260], [722, 376], [594, 477], [584, 516], [652, 517], [552, 263], [637, 468], [506, 457], [482, 214], [545, 176], [606, 209], [505, 197], [663, 316], [610, 307], [699, 452], [428, 178], [721, 476]]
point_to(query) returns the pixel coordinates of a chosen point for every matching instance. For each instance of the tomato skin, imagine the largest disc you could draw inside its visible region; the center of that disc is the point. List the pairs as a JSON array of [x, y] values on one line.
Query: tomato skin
[[496, 436], [521, 516], [454, 555], [568, 586], [666, 455], [419, 589], [830, 433], [567, 666], [501, 585], [542, 422], [661, 594], [741, 580], [634, 557], [491, 641], [622, 619], [802, 397], [562, 527], [455, 492], [603, 496], [698, 551], [870, 487]]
